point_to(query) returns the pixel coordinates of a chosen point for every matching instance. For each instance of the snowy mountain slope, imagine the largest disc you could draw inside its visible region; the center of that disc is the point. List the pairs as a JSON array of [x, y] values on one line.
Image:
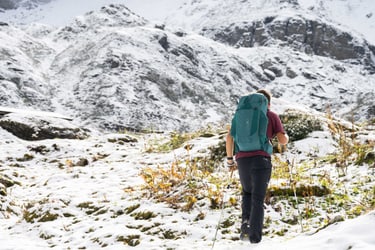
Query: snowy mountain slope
[[21, 58], [114, 69], [320, 83], [24, 4], [353, 16], [356, 15], [62, 12], [144, 77], [280, 23]]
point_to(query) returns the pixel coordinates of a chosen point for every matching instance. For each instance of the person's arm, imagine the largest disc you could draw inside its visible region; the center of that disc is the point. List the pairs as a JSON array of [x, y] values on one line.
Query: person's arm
[[229, 146], [278, 128], [282, 138]]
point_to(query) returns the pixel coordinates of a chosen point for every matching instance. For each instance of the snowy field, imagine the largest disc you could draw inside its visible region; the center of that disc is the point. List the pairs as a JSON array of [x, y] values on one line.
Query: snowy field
[[96, 202]]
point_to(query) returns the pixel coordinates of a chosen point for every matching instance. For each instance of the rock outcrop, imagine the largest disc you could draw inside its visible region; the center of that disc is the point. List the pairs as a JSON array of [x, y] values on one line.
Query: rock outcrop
[[7, 4], [30, 127], [308, 36]]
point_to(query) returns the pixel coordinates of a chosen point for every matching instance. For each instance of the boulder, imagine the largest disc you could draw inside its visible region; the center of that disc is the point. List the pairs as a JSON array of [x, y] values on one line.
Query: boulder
[[6, 182], [3, 191], [30, 127], [291, 73]]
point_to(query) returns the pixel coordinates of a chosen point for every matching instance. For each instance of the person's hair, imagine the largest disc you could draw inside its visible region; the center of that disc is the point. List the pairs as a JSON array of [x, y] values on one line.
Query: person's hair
[[266, 94]]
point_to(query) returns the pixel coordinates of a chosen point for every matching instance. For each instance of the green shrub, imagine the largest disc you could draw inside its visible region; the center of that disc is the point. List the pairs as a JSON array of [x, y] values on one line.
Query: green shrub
[[299, 125], [175, 141]]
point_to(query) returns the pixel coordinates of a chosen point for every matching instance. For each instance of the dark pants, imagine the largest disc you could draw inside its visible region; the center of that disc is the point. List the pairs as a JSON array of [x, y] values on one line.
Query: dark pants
[[255, 173]]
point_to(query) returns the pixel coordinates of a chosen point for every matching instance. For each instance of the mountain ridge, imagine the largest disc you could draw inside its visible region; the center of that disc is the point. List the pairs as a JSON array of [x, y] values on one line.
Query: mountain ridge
[[114, 69]]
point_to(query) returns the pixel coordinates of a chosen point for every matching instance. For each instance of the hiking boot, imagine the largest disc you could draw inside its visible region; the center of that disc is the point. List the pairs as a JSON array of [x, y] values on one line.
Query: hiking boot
[[245, 229]]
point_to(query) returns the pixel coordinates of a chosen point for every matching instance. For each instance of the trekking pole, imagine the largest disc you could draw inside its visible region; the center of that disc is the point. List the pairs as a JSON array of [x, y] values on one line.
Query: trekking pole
[[225, 187], [293, 184]]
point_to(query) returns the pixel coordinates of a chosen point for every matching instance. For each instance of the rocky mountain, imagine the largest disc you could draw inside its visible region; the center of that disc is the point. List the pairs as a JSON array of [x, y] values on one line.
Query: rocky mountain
[[28, 4], [114, 69], [303, 26]]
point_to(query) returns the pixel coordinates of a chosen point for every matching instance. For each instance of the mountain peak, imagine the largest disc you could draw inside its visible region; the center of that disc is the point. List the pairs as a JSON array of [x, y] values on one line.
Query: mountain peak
[[110, 16]]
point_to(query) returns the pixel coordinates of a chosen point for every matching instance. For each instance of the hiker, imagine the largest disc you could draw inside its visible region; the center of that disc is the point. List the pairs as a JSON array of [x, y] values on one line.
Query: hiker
[[254, 168]]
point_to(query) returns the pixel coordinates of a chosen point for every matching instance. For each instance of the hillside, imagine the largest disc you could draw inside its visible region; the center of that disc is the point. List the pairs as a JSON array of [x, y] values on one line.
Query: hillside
[[172, 191], [128, 72]]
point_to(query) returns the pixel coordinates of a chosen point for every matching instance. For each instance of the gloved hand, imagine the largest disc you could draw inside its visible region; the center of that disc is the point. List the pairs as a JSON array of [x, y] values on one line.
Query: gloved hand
[[231, 164]]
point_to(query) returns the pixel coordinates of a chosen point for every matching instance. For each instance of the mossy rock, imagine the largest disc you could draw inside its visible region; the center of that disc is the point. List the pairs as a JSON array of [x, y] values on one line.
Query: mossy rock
[[48, 217], [130, 209], [91, 208], [26, 157], [207, 135], [3, 190], [300, 191], [143, 215], [31, 217], [7, 182], [130, 240], [123, 139], [228, 222]]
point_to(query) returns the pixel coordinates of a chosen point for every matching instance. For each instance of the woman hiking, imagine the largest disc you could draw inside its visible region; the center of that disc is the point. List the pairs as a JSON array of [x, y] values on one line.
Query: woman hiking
[[254, 168]]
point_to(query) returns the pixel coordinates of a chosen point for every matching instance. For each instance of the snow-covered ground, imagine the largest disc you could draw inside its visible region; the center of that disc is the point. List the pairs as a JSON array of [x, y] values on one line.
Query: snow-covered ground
[[96, 203]]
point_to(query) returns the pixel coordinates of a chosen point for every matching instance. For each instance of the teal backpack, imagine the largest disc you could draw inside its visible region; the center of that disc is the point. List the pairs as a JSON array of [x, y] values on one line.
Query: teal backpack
[[249, 124]]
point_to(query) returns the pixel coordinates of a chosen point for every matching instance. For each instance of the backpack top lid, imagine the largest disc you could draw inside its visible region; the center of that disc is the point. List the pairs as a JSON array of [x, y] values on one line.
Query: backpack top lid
[[253, 101]]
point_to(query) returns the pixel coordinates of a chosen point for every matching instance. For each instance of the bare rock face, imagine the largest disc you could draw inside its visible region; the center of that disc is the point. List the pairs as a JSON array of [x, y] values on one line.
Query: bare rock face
[[32, 128], [7, 4], [28, 4], [308, 36]]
